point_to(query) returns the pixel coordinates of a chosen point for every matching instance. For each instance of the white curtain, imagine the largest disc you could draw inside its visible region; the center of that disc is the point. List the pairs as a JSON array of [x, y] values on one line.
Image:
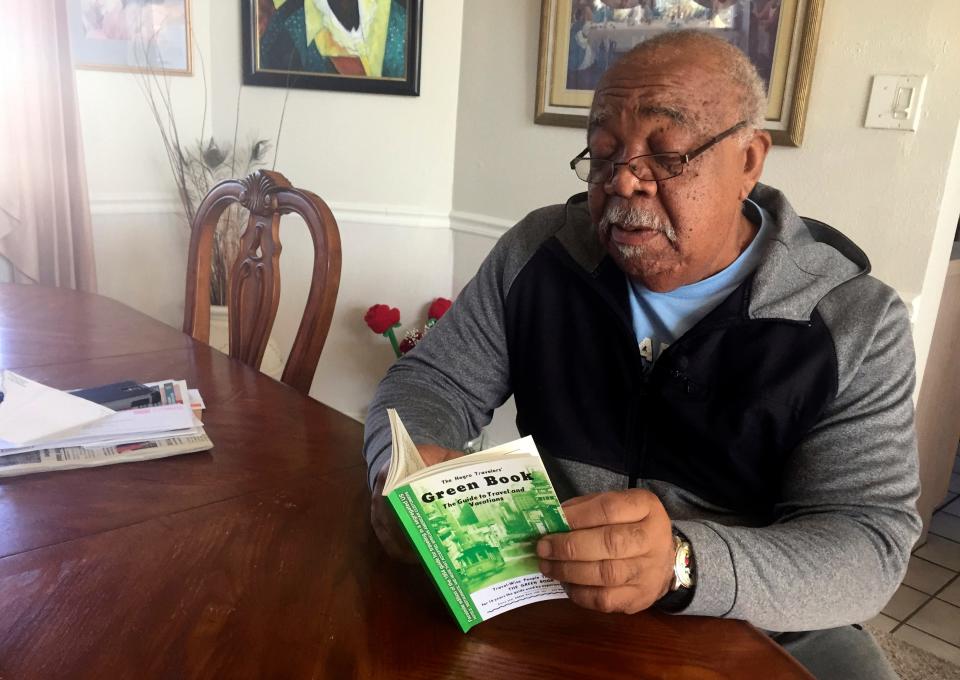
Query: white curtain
[[44, 209]]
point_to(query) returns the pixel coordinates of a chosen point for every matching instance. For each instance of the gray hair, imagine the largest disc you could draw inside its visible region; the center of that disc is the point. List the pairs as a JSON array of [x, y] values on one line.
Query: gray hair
[[736, 65]]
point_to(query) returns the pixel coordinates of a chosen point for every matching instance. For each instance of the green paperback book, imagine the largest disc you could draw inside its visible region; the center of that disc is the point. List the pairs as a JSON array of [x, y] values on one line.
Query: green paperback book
[[475, 522]]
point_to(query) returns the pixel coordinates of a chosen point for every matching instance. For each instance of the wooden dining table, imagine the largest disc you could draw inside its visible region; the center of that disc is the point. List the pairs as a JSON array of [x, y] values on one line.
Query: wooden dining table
[[256, 559]]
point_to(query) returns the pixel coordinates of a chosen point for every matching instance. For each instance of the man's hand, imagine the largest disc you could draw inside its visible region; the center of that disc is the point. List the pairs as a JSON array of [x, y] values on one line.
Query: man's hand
[[618, 555], [384, 519]]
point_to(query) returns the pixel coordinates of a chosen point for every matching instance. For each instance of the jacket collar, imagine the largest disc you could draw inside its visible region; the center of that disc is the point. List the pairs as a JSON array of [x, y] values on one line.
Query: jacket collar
[[578, 235], [802, 262]]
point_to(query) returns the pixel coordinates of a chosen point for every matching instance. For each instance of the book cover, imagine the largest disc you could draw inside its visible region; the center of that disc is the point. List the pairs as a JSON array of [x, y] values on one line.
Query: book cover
[[475, 522]]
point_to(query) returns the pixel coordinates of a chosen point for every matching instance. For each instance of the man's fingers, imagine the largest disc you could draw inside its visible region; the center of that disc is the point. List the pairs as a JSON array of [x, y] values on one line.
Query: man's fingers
[[620, 599], [386, 525], [598, 573], [610, 542], [392, 538], [433, 454], [610, 507], [577, 500]]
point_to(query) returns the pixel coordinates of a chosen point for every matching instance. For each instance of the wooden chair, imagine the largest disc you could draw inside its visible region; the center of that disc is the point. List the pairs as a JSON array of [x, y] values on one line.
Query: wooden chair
[[254, 293]]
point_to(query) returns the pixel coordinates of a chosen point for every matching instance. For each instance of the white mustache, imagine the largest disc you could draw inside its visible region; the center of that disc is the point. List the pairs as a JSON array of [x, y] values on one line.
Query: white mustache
[[636, 218]]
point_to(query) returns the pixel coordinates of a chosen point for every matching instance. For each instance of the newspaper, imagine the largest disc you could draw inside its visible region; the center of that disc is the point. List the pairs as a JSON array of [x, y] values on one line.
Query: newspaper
[[65, 458]]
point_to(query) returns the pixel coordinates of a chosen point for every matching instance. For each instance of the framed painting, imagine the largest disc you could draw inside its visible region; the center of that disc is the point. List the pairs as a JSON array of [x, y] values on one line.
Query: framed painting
[[346, 45], [580, 38], [131, 35]]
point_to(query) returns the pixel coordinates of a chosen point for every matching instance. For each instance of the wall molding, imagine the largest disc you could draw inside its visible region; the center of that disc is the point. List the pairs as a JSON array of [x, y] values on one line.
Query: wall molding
[[390, 215], [479, 225], [346, 213], [148, 203]]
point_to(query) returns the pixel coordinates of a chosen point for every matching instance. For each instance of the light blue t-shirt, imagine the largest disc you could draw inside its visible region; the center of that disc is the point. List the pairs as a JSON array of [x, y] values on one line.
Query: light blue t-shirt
[[660, 318]]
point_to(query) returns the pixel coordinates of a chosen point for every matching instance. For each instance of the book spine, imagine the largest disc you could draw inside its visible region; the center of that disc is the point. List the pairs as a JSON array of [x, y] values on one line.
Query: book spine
[[434, 558]]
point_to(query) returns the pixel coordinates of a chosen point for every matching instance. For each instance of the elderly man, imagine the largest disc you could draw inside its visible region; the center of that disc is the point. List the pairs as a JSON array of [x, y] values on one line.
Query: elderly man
[[719, 387]]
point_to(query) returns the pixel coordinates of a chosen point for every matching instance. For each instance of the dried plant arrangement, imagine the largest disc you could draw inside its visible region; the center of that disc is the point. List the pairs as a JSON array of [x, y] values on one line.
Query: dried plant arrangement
[[199, 164]]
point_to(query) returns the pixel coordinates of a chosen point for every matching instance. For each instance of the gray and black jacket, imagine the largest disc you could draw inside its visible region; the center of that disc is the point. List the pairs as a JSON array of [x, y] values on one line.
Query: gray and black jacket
[[777, 432]]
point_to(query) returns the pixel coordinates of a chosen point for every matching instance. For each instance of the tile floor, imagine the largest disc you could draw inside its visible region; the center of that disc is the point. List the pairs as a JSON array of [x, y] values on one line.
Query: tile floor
[[925, 610]]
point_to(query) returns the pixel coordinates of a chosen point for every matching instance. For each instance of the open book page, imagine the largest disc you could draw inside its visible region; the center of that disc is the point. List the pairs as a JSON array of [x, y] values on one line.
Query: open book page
[[405, 459]]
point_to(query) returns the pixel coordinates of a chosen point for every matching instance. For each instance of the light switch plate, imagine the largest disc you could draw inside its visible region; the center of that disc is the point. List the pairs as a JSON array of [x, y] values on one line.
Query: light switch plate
[[895, 102]]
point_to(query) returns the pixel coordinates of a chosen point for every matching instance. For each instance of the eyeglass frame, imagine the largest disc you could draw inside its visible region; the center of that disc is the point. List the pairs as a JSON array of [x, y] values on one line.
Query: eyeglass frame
[[684, 158]]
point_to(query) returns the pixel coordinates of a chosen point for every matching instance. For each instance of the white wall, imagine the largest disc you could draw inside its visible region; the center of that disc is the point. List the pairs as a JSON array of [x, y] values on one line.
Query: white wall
[[383, 163], [132, 192], [505, 165], [887, 190]]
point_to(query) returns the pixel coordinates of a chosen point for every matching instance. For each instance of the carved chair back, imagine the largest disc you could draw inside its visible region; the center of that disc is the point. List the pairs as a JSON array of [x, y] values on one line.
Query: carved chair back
[[254, 280]]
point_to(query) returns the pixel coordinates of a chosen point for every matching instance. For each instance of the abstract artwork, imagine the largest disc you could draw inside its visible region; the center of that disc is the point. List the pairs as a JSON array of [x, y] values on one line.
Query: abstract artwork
[[579, 39], [349, 45], [131, 35]]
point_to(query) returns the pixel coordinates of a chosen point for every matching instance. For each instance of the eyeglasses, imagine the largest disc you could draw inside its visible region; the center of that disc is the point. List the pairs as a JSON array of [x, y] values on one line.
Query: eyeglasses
[[654, 167]]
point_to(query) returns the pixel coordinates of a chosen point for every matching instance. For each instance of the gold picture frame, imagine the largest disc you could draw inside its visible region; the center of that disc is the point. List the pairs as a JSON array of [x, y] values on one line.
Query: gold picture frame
[[785, 55], [102, 40]]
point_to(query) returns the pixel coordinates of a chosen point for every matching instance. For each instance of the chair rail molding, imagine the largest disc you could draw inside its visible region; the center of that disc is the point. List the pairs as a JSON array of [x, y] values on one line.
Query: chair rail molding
[[479, 225], [148, 203]]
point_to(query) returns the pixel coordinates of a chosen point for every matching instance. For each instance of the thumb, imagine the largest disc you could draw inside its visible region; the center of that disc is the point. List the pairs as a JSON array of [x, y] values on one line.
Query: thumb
[[433, 454]]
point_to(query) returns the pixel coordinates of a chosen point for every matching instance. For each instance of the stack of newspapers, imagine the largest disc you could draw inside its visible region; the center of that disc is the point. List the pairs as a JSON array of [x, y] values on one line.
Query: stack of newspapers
[[43, 429]]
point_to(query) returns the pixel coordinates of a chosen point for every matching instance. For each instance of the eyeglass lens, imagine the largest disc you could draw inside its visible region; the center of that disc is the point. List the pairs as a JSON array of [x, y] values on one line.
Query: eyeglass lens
[[654, 167]]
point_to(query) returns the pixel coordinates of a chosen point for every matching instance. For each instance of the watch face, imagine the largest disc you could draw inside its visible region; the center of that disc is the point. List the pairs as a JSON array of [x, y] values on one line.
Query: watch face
[[682, 567]]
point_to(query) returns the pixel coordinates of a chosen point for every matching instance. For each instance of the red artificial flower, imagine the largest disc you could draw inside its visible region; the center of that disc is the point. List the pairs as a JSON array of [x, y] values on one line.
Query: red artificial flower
[[382, 318], [438, 308]]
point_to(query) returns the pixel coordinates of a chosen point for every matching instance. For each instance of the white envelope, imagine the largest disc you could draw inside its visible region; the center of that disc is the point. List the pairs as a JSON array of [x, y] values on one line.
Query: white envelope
[[31, 412], [139, 424]]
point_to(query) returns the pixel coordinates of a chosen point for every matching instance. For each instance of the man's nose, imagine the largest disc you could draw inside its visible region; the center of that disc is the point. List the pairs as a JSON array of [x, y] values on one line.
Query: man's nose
[[625, 183]]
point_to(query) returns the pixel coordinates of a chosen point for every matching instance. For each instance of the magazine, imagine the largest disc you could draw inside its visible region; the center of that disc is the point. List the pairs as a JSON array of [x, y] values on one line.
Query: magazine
[[475, 522]]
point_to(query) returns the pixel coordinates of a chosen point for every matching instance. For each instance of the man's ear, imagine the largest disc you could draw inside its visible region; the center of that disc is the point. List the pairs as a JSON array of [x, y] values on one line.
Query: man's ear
[[754, 156]]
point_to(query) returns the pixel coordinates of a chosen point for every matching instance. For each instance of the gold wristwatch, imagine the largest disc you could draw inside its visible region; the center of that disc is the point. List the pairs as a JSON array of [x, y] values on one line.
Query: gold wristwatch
[[683, 570]]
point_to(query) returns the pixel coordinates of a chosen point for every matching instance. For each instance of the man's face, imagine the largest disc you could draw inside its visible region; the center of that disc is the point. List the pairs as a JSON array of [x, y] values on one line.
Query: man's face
[[687, 228]]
